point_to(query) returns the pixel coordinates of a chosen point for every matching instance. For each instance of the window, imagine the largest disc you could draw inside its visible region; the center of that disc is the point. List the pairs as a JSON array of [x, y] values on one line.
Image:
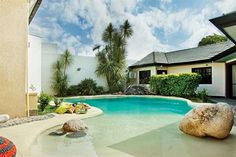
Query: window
[[206, 74], [144, 76], [161, 72]]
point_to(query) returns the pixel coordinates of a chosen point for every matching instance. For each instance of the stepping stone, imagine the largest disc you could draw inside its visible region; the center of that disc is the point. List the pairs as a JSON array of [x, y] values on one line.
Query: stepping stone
[[58, 132], [76, 134]]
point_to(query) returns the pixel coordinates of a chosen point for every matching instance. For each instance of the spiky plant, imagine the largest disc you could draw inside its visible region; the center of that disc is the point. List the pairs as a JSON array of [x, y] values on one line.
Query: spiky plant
[[111, 60], [60, 78]]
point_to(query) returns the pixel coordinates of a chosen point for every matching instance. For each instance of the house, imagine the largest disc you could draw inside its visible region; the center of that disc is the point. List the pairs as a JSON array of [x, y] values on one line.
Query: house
[[15, 16], [216, 63]]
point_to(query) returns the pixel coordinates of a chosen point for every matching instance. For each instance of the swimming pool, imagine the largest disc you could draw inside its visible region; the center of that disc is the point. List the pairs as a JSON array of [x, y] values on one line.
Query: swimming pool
[[124, 119], [137, 105]]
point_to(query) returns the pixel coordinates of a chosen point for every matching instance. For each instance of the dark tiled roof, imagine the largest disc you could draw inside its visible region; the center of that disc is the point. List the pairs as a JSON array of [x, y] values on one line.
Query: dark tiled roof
[[200, 53]]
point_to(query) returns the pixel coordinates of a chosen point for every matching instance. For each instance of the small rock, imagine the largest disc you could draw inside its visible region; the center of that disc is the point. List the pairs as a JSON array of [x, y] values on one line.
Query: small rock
[[214, 120], [4, 118], [74, 125]]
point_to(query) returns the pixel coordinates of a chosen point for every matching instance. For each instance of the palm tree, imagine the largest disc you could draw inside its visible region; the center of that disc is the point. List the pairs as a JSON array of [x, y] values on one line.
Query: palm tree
[[59, 78], [66, 60], [108, 35], [112, 58], [126, 29]]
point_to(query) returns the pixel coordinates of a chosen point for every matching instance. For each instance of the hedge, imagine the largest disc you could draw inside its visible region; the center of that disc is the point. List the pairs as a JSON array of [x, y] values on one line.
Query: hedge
[[183, 85]]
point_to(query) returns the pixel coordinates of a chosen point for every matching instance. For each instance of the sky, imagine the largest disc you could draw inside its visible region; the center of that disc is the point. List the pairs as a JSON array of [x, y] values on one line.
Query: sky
[[158, 25]]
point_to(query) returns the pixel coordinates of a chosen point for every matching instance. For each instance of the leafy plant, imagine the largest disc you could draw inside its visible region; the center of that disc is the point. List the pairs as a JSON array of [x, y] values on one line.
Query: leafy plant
[[88, 87], [184, 84], [203, 95], [57, 101], [60, 78], [85, 87], [73, 90], [44, 100], [112, 59], [212, 39]]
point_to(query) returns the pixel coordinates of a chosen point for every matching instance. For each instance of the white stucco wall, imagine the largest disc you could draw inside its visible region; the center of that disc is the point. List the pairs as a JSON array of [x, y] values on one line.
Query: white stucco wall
[[87, 65], [217, 88], [43, 55], [49, 55], [34, 63]]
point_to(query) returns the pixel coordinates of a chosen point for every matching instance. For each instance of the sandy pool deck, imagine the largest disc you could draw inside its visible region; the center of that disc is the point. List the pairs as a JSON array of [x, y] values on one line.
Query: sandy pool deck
[[24, 135]]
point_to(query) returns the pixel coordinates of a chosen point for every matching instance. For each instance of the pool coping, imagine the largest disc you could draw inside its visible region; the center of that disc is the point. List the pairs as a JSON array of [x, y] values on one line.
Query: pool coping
[[24, 135]]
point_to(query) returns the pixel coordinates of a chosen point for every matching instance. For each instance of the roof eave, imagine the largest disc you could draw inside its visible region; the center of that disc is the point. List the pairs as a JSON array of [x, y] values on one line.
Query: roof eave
[[225, 21], [34, 10]]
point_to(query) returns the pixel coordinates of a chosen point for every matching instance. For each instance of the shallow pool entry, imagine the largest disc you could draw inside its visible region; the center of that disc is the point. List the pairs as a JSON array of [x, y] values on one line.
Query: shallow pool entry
[[140, 127]]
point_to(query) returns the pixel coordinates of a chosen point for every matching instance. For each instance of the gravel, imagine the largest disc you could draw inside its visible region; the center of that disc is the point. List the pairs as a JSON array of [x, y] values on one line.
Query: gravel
[[18, 121]]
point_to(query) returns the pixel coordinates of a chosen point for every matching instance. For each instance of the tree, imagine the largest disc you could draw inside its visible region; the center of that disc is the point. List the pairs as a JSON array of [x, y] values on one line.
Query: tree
[[212, 39], [60, 78], [112, 58], [66, 60]]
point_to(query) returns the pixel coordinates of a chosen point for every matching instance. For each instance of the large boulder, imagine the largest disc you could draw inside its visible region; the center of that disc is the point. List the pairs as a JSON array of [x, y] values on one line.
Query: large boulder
[[215, 120], [137, 90], [74, 125], [4, 118]]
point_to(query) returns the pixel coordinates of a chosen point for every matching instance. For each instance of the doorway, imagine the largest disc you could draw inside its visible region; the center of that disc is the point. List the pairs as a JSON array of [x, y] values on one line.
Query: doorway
[[144, 76], [233, 83]]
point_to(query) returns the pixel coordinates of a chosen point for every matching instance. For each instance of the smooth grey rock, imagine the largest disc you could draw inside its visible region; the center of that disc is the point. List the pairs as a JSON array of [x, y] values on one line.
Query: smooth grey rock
[[137, 90]]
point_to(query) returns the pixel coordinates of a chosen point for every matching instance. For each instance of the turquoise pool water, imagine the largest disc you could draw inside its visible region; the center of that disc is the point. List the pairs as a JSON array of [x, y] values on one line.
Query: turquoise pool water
[[116, 132], [137, 105]]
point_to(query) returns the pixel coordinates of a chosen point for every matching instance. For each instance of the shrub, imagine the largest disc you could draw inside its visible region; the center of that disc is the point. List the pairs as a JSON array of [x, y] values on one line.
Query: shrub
[[99, 90], [85, 87], [88, 87], [57, 101], [44, 100], [73, 90], [183, 85], [203, 95]]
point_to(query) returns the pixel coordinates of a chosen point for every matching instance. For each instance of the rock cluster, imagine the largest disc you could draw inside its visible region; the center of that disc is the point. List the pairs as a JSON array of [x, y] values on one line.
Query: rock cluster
[[137, 90], [18, 121], [214, 120]]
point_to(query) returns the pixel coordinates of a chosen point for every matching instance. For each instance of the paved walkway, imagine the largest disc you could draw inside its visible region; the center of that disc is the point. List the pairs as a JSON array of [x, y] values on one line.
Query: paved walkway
[[231, 102], [225, 100]]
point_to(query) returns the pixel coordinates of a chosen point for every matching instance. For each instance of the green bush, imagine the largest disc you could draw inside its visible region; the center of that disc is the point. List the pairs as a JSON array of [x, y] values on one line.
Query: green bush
[[57, 101], [99, 90], [203, 95], [88, 87], [44, 100], [73, 90], [85, 87], [183, 85]]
